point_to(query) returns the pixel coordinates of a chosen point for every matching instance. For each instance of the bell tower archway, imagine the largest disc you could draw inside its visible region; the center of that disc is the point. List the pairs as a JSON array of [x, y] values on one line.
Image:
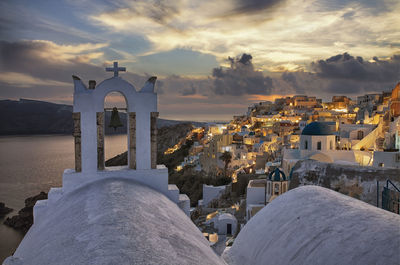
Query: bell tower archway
[[115, 128], [89, 125], [141, 108]]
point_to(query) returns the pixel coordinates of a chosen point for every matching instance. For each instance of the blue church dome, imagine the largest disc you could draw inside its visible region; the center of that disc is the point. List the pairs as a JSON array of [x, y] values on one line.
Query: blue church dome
[[318, 128], [277, 175]]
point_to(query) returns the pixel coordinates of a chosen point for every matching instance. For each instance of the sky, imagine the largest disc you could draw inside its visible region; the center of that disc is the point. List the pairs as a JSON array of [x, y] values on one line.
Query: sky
[[213, 58]]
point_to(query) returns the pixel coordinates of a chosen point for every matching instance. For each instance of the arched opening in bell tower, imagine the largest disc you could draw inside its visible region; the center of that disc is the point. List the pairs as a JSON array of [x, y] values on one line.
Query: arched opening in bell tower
[[115, 129]]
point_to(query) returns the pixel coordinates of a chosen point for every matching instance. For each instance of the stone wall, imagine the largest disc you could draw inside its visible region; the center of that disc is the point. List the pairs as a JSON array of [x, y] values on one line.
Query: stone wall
[[355, 181]]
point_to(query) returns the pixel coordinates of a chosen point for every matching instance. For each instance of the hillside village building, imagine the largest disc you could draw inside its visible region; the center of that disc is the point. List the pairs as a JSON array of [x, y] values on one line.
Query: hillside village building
[[318, 142], [260, 192]]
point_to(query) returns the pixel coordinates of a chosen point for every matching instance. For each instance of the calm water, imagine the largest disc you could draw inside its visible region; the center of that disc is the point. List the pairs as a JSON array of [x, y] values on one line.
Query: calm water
[[30, 164]]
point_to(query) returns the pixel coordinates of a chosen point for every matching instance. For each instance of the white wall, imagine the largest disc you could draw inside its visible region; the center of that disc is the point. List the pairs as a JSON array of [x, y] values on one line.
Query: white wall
[[255, 195], [211, 192], [224, 221], [388, 159], [314, 139]]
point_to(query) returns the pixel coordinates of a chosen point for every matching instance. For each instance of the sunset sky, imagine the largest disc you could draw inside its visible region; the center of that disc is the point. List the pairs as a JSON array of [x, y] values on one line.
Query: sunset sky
[[212, 58]]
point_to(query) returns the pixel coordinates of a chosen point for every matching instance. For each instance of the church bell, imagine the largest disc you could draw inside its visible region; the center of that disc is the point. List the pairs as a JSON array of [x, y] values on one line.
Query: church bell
[[115, 122]]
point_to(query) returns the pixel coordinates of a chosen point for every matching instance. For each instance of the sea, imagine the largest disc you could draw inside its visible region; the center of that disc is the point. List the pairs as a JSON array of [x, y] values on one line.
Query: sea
[[31, 164]]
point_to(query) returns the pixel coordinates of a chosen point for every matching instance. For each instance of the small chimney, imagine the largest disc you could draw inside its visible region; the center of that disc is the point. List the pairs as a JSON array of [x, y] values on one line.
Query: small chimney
[[92, 84]]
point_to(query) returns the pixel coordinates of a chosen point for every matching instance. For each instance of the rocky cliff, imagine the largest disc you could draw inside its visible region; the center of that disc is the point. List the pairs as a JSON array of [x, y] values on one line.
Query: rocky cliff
[[355, 181], [4, 210], [166, 138], [24, 220]]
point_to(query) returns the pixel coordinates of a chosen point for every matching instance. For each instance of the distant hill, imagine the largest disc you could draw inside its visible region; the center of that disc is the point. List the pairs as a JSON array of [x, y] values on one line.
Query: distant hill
[[39, 117]]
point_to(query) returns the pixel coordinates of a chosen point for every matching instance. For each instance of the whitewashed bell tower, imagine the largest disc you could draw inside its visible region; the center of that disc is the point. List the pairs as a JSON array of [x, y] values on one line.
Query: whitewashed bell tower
[[88, 116], [89, 122]]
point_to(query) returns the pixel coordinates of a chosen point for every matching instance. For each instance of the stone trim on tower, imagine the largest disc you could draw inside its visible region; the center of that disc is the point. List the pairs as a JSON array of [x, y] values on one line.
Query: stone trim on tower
[[100, 140], [76, 116], [132, 140], [153, 136]]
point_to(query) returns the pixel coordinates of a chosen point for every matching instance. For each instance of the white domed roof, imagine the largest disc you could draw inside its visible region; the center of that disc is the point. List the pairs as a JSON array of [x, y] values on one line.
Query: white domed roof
[[314, 225], [114, 221]]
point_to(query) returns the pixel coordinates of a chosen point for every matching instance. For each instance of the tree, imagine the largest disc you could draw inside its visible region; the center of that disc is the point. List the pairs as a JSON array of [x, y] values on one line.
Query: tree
[[226, 157]]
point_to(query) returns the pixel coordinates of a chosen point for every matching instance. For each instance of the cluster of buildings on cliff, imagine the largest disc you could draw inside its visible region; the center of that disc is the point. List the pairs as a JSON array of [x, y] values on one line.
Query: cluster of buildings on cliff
[[268, 141], [363, 132]]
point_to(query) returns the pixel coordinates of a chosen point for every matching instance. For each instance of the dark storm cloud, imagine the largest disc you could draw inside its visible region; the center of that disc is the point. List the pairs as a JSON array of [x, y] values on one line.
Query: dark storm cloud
[[189, 91], [162, 11], [240, 78], [256, 6], [27, 57], [290, 78], [345, 66], [35, 59], [343, 74], [159, 87]]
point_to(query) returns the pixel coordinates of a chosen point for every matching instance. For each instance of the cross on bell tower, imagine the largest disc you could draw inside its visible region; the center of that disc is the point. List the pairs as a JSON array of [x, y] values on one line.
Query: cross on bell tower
[[115, 69]]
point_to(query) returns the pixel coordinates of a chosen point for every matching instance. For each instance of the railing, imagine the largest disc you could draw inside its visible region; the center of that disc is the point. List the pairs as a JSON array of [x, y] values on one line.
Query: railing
[[391, 198]]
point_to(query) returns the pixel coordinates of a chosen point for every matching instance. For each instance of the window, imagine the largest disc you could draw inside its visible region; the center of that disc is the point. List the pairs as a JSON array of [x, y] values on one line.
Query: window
[[360, 135], [276, 189], [319, 144], [331, 145], [381, 164], [306, 144]]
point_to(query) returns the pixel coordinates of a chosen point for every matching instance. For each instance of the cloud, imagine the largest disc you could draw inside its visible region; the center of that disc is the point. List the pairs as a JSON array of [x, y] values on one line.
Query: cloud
[[49, 61], [25, 80], [343, 74], [255, 6], [20, 21], [345, 66], [240, 78], [275, 32], [189, 91], [43, 69]]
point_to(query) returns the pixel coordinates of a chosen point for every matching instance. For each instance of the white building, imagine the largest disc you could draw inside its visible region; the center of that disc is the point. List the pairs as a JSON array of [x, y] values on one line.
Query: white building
[[210, 193], [318, 136], [255, 197], [386, 159], [351, 134], [260, 192], [318, 142], [224, 223]]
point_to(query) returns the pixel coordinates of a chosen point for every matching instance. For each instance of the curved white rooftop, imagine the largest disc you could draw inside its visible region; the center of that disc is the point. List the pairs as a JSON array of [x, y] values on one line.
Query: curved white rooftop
[[114, 221], [226, 216], [314, 225]]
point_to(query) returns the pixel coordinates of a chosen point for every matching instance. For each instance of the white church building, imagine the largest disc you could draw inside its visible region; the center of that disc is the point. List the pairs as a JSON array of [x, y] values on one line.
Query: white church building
[[318, 142], [114, 215]]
